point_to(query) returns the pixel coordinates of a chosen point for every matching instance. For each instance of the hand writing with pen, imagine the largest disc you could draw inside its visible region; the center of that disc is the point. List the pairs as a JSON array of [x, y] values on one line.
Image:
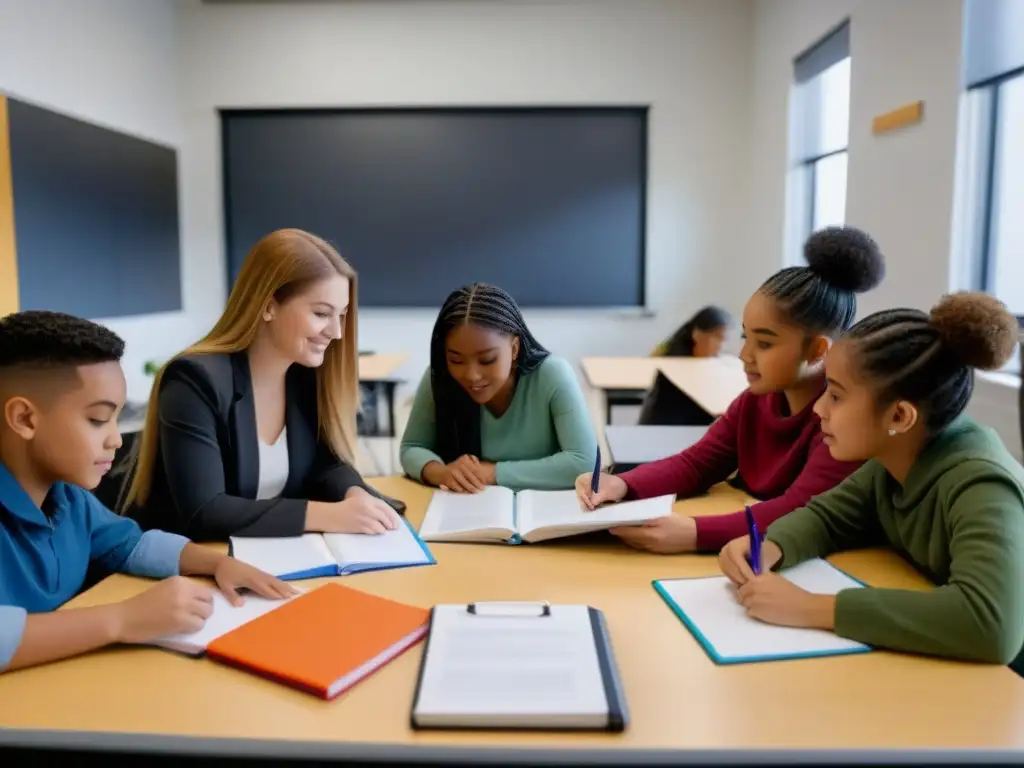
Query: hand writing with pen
[[768, 597]]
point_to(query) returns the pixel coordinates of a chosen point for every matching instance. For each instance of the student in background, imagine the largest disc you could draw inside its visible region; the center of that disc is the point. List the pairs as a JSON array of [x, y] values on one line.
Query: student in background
[[495, 408], [61, 389], [252, 430], [700, 336], [937, 487], [770, 434]]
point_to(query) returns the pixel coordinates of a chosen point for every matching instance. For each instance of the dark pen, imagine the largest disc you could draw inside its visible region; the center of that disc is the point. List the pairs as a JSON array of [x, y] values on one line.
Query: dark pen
[[755, 543]]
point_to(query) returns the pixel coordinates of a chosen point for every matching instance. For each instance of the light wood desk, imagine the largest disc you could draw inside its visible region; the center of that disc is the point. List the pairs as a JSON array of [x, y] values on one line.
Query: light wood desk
[[711, 382], [621, 380], [380, 367], [679, 700]]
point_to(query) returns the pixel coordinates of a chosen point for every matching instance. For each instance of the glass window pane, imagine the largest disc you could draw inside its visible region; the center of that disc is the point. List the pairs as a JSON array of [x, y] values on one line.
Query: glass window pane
[[1006, 244], [821, 113], [829, 191]]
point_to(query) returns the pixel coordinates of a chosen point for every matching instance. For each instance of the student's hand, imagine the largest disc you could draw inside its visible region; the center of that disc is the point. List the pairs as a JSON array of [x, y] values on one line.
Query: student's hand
[[775, 600], [173, 606], [610, 488], [670, 535], [233, 575], [362, 512], [467, 474], [734, 563]]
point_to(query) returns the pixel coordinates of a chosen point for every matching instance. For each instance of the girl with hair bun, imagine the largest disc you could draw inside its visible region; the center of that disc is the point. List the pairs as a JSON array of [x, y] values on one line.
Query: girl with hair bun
[[770, 436], [937, 487]]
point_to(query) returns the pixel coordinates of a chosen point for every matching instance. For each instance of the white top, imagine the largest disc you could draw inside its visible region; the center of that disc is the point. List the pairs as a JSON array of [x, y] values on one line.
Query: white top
[[273, 467]]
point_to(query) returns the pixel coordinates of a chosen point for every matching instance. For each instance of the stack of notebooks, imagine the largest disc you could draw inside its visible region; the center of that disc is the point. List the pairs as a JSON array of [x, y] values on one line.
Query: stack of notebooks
[[498, 515], [307, 641]]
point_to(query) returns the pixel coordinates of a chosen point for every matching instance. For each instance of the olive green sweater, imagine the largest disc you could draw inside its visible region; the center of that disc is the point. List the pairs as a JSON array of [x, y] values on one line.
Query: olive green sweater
[[959, 519]]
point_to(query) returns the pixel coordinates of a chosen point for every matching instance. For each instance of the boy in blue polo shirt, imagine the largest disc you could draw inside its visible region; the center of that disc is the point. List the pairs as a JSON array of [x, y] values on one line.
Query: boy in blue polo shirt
[[61, 390]]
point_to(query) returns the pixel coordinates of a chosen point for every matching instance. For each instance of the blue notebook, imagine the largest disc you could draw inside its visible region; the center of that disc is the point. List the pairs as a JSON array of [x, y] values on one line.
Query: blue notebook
[[313, 555], [709, 609]]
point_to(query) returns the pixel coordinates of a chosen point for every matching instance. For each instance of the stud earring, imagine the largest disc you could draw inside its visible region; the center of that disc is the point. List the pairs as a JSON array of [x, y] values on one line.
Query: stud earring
[[892, 433]]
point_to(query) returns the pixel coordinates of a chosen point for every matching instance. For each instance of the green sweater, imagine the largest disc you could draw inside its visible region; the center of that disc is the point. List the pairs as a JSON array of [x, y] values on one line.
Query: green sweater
[[543, 441], [959, 519]]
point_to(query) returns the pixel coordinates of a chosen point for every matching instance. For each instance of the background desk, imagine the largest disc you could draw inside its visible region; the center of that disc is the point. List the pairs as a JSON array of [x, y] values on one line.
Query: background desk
[[630, 445], [679, 700], [711, 382], [620, 380]]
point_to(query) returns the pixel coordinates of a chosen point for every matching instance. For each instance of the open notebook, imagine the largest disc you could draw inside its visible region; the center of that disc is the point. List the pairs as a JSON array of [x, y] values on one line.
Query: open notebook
[[333, 554], [225, 618], [499, 515], [709, 609]]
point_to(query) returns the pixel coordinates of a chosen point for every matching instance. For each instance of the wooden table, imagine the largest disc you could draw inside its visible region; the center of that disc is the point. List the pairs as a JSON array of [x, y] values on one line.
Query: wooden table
[[621, 380], [630, 445], [142, 699], [711, 382]]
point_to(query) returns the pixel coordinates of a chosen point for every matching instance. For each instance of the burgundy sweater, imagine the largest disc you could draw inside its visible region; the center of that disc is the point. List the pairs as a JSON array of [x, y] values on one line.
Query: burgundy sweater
[[781, 459]]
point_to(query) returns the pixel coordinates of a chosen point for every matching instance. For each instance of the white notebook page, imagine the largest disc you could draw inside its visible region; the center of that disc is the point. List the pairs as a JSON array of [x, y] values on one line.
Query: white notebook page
[[397, 546], [496, 665], [538, 509], [459, 512], [712, 607], [279, 556], [225, 617]]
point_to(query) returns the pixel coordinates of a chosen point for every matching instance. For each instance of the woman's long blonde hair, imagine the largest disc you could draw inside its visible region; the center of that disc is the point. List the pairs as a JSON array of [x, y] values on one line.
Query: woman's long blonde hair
[[280, 265]]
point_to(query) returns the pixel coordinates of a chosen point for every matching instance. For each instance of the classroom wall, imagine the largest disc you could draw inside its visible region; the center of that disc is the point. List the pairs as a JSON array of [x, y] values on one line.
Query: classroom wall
[[115, 63], [689, 60], [900, 186]]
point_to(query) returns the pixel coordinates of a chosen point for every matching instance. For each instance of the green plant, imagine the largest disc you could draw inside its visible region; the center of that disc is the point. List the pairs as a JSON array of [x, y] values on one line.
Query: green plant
[[151, 367]]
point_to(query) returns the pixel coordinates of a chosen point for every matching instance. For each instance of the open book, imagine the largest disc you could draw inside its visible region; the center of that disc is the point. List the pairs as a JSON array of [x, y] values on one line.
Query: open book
[[499, 515], [333, 554]]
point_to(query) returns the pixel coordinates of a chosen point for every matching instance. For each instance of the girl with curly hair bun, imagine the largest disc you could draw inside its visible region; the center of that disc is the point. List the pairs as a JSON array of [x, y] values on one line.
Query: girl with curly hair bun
[[937, 487], [770, 436]]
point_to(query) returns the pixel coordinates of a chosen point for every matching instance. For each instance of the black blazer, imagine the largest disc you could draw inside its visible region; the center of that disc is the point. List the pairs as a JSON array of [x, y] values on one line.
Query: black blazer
[[207, 463]]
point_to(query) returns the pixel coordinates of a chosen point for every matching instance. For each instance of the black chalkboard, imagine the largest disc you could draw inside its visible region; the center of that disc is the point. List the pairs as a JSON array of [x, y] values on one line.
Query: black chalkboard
[[548, 203], [95, 217]]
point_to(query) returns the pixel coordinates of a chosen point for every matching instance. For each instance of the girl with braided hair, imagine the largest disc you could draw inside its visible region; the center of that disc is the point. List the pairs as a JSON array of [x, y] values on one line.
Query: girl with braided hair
[[936, 487], [495, 407]]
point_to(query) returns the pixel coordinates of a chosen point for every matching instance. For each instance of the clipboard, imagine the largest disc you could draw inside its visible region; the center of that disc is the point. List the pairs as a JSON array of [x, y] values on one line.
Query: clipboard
[[599, 699]]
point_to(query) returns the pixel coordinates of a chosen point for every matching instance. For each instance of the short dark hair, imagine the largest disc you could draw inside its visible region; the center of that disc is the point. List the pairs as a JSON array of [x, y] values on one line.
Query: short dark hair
[[40, 339], [680, 344], [456, 414], [929, 359], [821, 297]]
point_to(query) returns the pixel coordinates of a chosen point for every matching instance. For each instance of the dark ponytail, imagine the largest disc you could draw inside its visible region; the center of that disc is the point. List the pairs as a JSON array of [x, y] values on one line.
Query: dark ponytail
[[929, 360], [821, 297], [680, 344], [456, 414]]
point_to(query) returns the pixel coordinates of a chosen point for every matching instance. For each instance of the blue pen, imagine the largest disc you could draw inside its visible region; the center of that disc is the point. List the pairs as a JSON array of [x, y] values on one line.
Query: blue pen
[[595, 479], [755, 543]]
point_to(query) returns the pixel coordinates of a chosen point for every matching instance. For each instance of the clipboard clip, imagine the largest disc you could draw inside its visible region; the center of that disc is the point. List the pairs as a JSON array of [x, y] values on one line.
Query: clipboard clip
[[510, 610]]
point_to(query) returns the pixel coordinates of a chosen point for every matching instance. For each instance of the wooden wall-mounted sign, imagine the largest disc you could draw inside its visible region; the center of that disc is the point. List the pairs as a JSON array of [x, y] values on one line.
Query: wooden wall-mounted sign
[[908, 114]]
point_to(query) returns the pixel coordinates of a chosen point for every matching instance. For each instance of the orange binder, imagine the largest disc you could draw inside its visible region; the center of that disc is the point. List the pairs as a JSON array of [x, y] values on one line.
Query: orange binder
[[324, 641]]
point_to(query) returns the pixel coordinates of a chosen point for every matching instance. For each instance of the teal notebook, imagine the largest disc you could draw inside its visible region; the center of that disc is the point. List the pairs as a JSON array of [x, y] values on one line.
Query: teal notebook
[[709, 609]]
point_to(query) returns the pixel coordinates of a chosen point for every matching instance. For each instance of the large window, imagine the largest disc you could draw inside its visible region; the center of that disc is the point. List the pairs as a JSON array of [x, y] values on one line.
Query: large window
[[1000, 268], [990, 190], [819, 130]]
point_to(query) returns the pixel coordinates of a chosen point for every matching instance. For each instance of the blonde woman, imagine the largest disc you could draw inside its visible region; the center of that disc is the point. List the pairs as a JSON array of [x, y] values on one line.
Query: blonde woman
[[252, 430]]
